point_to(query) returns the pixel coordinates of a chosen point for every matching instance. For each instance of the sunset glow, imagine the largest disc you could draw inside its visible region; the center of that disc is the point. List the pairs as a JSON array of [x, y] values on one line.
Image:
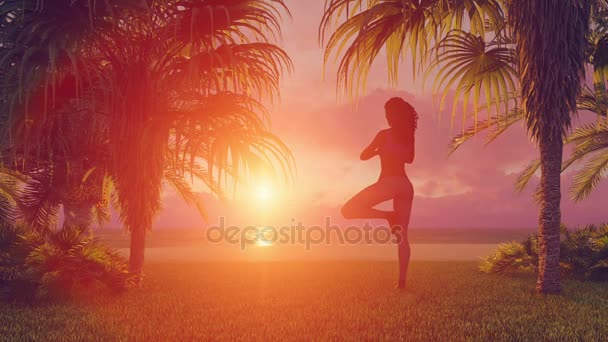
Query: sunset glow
[[270, 170], [264, 193]]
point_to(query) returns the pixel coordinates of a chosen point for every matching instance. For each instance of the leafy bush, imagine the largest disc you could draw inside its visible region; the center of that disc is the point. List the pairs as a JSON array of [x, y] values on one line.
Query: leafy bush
[[57, 265], [583, 254]]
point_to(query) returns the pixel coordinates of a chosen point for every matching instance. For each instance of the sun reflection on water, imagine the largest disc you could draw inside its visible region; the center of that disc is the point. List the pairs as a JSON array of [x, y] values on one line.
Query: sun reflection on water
[[260, 238]]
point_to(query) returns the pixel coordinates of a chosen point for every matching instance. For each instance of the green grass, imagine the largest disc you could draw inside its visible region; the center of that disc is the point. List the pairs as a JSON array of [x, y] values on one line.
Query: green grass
[[445, 301]]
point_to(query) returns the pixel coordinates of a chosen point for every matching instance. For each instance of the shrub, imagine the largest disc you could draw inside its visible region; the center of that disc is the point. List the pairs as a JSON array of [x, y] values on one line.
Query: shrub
[[583, 254], [57, 265]]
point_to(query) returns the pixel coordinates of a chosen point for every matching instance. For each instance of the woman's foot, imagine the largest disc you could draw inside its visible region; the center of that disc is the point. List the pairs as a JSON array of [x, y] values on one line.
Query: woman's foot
[[400, 285]]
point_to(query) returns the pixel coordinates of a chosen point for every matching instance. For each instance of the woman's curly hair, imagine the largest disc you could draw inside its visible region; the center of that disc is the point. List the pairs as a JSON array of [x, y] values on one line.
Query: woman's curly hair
[[401, 115]]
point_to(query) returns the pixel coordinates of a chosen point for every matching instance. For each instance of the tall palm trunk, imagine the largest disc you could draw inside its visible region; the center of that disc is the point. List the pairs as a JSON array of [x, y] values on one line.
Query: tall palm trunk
[[551, 38], [551, 148], [139, 144], [136, 253], [139, 190], [140, 186]]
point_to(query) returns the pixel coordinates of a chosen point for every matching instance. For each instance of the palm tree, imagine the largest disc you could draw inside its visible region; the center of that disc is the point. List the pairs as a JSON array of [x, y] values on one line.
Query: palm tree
[[169, 75], [551, 60], [535, 25], [542, 46]]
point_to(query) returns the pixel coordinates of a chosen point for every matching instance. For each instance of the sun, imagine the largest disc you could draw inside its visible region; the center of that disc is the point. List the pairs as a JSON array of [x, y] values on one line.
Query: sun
[[263, 193], [264, 199]]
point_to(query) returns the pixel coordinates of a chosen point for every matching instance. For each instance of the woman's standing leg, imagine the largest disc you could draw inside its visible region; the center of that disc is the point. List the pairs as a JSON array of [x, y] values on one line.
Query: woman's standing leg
[[402, 205]]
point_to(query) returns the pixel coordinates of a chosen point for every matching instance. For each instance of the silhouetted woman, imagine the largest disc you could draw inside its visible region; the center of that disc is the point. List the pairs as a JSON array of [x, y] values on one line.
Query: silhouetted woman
[[395, 146]]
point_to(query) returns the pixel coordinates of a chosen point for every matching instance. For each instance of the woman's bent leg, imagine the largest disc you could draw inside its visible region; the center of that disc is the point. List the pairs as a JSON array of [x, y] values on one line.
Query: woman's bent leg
[[361, 206]]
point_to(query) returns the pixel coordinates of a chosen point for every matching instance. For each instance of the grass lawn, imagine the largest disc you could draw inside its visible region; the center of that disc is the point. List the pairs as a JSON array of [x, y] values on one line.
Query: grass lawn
[[337, 300]]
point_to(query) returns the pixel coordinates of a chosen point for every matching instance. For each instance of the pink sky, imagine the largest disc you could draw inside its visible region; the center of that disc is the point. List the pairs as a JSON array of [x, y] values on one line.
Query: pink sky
[[472, 188]]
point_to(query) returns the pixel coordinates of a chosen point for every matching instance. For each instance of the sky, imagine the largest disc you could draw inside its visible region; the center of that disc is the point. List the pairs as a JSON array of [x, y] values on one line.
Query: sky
[[326, 133]]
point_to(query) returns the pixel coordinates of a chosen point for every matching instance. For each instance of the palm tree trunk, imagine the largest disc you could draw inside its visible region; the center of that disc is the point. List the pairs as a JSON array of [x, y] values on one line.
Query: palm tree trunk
[[551, 149], [139, 143], [137, 251], [551, 38]]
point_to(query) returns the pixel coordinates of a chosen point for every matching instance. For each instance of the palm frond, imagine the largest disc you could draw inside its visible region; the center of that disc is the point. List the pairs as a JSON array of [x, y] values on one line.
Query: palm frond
[[526, 175], [496, 126], [364, 28], [9, 193], [467, 63], [57, 265], [589, 177], [184, 189], [508, 258], [38, 205]]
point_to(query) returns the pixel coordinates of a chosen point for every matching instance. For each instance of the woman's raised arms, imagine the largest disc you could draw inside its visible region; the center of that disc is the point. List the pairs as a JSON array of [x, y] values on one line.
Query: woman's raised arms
[[372, 150]]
